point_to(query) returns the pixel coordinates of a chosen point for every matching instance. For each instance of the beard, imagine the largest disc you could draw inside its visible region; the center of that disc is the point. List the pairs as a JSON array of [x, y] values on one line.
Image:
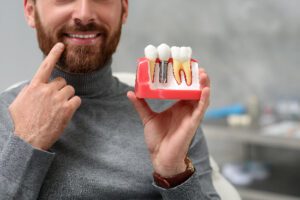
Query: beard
[[79, 58]]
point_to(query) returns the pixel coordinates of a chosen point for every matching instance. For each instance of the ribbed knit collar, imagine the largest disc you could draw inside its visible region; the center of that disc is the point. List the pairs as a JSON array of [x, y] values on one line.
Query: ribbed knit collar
[[91, 84]]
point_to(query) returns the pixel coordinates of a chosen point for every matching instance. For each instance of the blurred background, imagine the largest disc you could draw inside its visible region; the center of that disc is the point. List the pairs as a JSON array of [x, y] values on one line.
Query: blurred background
[[251, 50]]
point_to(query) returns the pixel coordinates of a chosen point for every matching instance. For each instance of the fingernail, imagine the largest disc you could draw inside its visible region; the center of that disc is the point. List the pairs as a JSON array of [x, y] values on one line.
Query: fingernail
[[60, 46]]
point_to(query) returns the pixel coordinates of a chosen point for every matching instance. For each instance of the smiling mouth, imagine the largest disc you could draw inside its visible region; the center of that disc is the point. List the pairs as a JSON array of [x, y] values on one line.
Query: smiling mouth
[[82, 36]]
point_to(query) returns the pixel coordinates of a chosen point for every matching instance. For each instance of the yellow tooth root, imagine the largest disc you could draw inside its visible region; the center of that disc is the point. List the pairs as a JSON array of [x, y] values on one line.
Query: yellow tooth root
[[187, 72], [186, 68], [152, 64], [176, 71]]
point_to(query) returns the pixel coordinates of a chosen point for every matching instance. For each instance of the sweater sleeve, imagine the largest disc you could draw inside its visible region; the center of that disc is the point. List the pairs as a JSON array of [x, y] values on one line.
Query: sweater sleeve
[[199, 186], [22, 167]]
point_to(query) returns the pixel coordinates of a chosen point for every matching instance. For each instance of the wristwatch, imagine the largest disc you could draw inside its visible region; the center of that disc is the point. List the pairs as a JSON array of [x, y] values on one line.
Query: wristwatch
[[169, 182]]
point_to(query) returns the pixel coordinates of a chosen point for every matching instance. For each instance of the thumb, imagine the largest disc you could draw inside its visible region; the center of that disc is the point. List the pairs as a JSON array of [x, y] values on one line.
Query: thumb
[[141, 106]]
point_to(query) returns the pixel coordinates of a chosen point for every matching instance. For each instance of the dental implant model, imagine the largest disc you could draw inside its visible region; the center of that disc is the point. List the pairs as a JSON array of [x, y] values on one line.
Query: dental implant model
[[168, 73]]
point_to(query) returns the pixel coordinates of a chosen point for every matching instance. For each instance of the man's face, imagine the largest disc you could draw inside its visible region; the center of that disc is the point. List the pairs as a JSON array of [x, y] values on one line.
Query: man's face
[[90, 29]]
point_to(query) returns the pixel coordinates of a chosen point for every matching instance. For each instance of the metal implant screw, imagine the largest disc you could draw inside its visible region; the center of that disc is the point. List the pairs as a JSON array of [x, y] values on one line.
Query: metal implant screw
[[163, 71]]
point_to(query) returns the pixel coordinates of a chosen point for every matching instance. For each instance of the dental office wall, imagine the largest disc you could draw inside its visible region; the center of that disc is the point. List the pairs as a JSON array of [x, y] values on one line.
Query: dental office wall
[[248, 47]]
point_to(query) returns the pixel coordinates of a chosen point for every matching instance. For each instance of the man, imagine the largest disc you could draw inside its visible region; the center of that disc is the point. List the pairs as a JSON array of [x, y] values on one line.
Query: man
[[71, 132]]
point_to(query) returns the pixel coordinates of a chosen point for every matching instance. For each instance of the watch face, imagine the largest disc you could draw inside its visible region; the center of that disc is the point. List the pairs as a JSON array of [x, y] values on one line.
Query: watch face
[[189, 164]]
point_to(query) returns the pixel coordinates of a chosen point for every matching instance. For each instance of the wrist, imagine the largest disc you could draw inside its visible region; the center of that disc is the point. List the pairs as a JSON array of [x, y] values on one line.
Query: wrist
[[32, 141], [175, 180], [170, 170]]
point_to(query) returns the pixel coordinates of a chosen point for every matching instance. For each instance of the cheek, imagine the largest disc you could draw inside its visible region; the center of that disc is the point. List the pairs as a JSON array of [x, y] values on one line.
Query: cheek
[[110, 15], [53, 19]]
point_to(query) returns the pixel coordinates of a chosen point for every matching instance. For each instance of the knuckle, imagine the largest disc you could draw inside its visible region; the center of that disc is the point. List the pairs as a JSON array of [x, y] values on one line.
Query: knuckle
[[70, 108], [33, 85], [71, 88], [67, 108], [61, 81], [56, 98], [77, 101], [45, 91]]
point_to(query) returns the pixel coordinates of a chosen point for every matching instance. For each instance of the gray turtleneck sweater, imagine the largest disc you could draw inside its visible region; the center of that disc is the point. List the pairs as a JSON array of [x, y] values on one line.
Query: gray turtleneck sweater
[[101, 155]]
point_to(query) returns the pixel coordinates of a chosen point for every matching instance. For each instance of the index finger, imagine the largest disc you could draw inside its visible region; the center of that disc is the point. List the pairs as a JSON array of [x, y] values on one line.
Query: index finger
[[44, 72]]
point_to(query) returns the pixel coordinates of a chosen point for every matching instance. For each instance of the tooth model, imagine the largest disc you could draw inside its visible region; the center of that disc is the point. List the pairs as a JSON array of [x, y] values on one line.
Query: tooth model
[[181, 81], [182, 62], [151, 54], [164, 54]]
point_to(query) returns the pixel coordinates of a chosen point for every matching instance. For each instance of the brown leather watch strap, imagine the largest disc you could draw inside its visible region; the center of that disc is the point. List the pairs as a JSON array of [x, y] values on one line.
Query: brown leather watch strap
[[169, 182]]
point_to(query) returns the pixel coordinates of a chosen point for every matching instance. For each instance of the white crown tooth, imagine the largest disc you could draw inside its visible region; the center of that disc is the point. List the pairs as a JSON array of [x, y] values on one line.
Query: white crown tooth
[[184, 54], [151, 52], [164, 52], [175, 53]]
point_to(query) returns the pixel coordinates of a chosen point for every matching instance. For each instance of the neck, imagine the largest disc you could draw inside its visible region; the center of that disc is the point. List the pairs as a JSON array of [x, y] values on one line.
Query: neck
[[90, 84]]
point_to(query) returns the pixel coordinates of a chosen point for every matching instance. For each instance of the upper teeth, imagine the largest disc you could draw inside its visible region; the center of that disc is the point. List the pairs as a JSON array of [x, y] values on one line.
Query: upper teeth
[[83, 36]]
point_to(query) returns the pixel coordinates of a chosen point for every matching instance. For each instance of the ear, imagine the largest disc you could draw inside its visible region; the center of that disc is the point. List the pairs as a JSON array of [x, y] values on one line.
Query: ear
[[29, 7], [125, 11]]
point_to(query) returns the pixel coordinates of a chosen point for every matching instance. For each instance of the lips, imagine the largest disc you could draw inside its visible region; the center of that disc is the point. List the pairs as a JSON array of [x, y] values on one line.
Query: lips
[[79, 36], [82, 38]]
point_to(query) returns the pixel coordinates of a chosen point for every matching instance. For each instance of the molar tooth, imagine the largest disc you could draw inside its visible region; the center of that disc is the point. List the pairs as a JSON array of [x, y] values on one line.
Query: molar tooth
[[182, 62], [151, 54]]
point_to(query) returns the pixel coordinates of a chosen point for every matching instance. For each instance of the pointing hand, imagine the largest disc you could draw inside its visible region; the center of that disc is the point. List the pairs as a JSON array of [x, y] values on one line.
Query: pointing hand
[[43, 109]]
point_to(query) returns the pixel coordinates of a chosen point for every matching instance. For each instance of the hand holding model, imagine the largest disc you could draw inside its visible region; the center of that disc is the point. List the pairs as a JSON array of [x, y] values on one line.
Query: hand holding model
[[168, 134], [43, 109]]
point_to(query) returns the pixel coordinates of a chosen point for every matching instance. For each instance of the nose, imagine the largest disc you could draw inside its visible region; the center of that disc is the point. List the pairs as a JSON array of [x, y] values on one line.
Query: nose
[[84, 12]]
